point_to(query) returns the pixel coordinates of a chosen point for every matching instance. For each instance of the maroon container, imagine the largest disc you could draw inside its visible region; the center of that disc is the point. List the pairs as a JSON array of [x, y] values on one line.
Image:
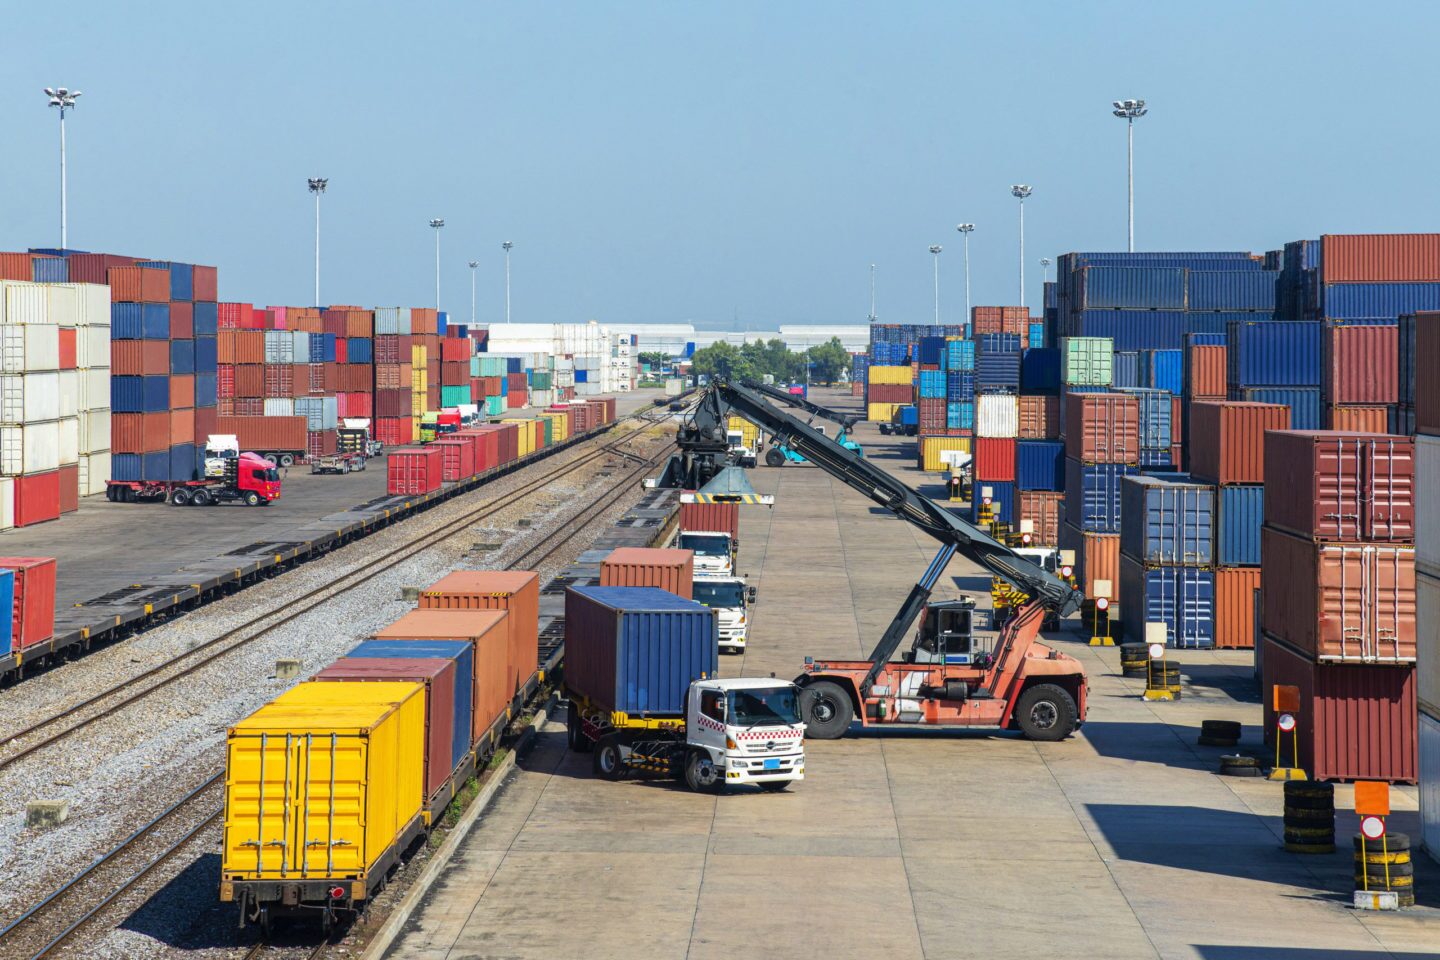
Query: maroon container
[[1228, 439], [33, 616], [1333, 485], [891, 393], [320, 443], [1039, 418], [930, 414], [1351, 602], [455, 373], [1361, 364], [412, 471], [994, 459], [1044, 510], [205, 283], [182, 320], [274, 434], [279, 380], [1354, 722], [1381, 258], [69, 488], [1426, 363], [507, 440], [1102, 427], [93, 267], [394, 431], [438, 676], [393, 403], [250, 380], [457, 457]]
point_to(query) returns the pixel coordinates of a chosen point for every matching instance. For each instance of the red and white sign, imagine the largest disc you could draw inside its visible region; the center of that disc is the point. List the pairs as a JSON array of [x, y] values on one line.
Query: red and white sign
[[1103, 603], [1373, 828], [1066, 572], [1286, 722], [1157, 651]]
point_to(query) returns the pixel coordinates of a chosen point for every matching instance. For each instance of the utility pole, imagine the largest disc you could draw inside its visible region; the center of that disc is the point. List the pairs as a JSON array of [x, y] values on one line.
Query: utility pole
[[873, 317], [965, 230], [507, 245], [473, 265], [935, 249]]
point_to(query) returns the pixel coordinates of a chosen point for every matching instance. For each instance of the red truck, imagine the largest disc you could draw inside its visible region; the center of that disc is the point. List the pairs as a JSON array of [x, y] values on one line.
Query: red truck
[[249, 479]]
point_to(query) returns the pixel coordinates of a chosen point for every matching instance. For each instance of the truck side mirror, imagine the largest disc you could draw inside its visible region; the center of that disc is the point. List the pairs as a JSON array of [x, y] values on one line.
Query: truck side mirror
[[750, 594]]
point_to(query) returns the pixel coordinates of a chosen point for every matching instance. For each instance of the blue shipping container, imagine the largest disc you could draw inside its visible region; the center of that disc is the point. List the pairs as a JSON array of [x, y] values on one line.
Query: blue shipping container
[[637, 649], [1166, 370], [1240, 514], [1137, 329], [127, 321], [155, 321], [1040, 370], [1156, 408], [910, 417], [1092, 495], [959, 415], [207, 318], [182, 356], [182, 278], [960, 355], [359, 350], [206, 355], [1126, 370], [139, 394], [1002, 501], [205, 387], [1233, 290], [1273, 354], [932, 384], [49, 270], [1167, 523], [997, 343], [460, 651], [1144, 288], [1040, 465], [1037, 330], [1304, 403], [182, 463], [1182, 598], [932, 350], [997, 370], [7, 602], [960, 385], [1345, 301]]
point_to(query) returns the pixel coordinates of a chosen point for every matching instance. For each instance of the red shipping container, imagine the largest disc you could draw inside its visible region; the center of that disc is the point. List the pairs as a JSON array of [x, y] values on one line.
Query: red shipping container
[[1353, 602], [69, 488], [438, 676], [205, 418], [930, 413], [394, 431], [456, 350], [355, 405], [1354, 722], [139, 432], [67, 348], [486, 445], [670, 570], [37, 498], [392, 376], [423, 320], [1381, 258], [1102, 428], [182, 320], [513, 400], [33, 616], [182, 390], [205, 283], [1361, 364], [711, 518], [279, 380], [234, 315], [332, 321], [126, 358], [392, 403], [182, 426], [1235, 607], [1330, 485], [986, 320], [154, 357], [250, 346], [1228, 439], [995, 459], [259, 319], [1355, 419], [517, 592], [320, 443], [1039, 418], [250, 380], [1427, 361], [139, 284], [857, 389], [300, 375], [265, 434], [457, 457], [891, 393], [386, 348], [246, 407], [507, 440], [91, 267], [17, 266], [1044, 510], [1205, 372], [455, 374], [360, 323], [342, 350], [413, 471]]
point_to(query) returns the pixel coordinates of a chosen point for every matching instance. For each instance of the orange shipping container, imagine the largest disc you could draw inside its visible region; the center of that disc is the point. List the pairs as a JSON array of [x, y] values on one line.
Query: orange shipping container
[[182, 426], [1102, 427], [249, 380], [1097, 557], [1043, 509], [517, 591], [1227, 439], [182, 391], [1039, 418], [671, 570], [1355, 419], [1205, 372], [139, 284], [1235, 607], [1381, 258], [488, 631]]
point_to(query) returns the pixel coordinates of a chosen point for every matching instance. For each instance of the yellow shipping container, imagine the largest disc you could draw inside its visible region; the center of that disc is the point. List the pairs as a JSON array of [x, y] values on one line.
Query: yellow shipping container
[[750, 432], [526, 432], [559, 426], [881, 412], [322, 782], [891, 375], [417, 355], [932, 447]]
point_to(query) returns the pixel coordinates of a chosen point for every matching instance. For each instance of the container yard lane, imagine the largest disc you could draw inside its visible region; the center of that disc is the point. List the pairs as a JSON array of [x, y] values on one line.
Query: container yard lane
[[1119, 842]]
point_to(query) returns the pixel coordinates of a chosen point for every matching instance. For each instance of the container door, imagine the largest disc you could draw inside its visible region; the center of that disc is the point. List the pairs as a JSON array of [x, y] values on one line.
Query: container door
[[258, 806], [329, 793]]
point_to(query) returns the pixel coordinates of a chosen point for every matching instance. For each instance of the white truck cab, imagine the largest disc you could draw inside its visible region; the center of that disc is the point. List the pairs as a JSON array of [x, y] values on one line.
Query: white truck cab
[[729, 597], [714, 552], [219, 449], [744, 731], [741, 454]]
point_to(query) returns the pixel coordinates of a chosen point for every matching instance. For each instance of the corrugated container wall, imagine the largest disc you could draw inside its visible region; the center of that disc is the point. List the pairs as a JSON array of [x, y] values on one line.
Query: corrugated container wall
[[1330, 485], [1227, 440]]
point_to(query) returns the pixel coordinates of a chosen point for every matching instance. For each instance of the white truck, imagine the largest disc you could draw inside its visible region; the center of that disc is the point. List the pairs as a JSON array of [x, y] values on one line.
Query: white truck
[[741, 453], [734, 732], [714, 552], [730, 598]]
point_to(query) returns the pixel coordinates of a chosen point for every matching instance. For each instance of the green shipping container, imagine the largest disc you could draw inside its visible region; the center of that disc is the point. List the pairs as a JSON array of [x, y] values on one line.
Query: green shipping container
[[548, 428], [540, 380], [491, 366], [494, 406], [1087, 361], [454, 396], [475, 366]]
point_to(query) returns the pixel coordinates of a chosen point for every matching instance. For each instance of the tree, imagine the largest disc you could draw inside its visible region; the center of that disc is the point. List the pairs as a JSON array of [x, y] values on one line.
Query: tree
[[830, 360], [655, 358], [719, 359]]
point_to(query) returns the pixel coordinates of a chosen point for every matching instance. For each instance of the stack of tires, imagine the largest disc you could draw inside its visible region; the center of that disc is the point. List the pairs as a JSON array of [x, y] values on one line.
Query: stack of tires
[[1134, 658], [1219, 733], [1163, 675], [1384, 864], [1309, 817]]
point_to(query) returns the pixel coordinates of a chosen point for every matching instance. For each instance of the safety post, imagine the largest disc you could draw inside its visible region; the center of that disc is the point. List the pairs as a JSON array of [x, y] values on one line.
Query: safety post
[[1372, 804], [986, 517], [1101, 637], [1286, 703], [1157, 670]]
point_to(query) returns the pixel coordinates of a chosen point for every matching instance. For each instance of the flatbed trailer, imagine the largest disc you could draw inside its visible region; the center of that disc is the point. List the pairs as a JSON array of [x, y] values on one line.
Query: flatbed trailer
[[340, 463]]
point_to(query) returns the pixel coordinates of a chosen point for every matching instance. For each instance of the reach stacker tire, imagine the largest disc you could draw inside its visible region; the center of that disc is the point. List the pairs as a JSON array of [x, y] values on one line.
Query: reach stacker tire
[[774, 458], [1046, 712], [826, 709]]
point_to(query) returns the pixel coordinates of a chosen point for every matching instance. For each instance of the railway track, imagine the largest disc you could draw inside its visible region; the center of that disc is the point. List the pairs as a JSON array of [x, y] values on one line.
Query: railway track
[[61, 916], [58, 727]]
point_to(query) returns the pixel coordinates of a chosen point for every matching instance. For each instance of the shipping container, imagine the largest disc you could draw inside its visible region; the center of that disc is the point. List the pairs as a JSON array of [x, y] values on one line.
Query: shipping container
[[933, 450], [457, 458], [1141, 288], [995, 498], [1038, 464], [1165, 522], [1182, 598], [1093, 495], [1235, 606], [1427, 639], [1329, 485], [413, 471], [1429, 772], [1097, 558], [1427, 359], [344, 771], [1087, 361], [1273, 354], [671, 570], [265, 434], [1427, 505], [1361, 364], [1240, 512], [1380, 258], [996, 415], [1038, 417], [7, 602], [711, 517], [1040, 370], [514, 591], [458, 654], [37, 498], [994, 460], [33, 606], [1227, 442], [1102, 428], [1351, 602], [1205, 371], [488, 632], [1045, 512], [1303, 403], [1355, 722]]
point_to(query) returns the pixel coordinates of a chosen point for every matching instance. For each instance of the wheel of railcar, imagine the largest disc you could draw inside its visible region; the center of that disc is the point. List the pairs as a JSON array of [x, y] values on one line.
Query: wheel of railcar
[[774, 458], [701, 774], [826, 709], [1046, 712], [181, 497], [606, 761]]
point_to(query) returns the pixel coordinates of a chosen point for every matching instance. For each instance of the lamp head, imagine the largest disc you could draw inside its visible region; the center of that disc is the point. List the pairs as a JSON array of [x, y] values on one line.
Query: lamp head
[[965, 227], [1021, 190], [935, 248], [437, 223]]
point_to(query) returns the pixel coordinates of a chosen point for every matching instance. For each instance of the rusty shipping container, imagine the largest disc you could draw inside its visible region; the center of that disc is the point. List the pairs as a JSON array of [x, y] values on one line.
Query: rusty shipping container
[[515, 591], [1354, 722], [1331, 485], [1427, 358], [712, 517], [1045, 511], [671, 570], [1235, 607], [1381, 258], [1361, 364], [1102, 428], [1039, 418], [1227, 439], [1351, 602], [487, 631], [274, 434]]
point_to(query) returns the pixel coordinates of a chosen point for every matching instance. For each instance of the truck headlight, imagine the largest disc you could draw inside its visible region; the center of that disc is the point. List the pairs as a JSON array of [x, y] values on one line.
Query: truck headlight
[[730, 744]]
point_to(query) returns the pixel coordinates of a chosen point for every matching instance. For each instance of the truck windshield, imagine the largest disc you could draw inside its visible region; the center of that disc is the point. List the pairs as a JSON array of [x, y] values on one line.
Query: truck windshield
[[706, 544], [735, 439], [719, 594], [272, 474], [763, 705]]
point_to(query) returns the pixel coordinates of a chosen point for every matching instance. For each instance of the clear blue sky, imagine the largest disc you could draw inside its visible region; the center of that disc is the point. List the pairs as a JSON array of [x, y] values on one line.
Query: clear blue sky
[[671, 161]]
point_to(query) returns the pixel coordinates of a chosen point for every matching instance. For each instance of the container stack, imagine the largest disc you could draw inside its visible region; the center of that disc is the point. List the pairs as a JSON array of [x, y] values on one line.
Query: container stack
[[1426, 354], [1202, 379], [1361, 361], [1277, 362], [1040, 453], [1339, 598], [1167, 549], [1102, 446]]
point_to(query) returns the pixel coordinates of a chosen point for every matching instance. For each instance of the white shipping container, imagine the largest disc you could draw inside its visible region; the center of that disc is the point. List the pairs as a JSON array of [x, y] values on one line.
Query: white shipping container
[[94, 306], [542, 398], [29, 397], [1427, 504], [997, 415], [69, 440], [69, 393], [94, 470], [92, 348], [7, 503], [29, 347], [564, 363], [95, 388], [279, 407], [394, 320], [94, 431], [24, 302], [1430, 783], [32, 448], [64, 304]]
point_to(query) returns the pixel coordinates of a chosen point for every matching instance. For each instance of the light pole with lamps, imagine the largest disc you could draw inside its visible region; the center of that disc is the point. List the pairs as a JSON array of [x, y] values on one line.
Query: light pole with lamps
[[473, 265], [317, 187], [965, 230], [935, 249], [437, 223], [1130, 111], [63, 99], [873, 317], [507, 245], [1020, 191]]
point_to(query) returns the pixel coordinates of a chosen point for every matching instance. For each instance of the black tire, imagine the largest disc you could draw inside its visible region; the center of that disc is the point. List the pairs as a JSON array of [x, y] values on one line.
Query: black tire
[[1308, 816], [1309, 788], [1309, 847], [110, 494], [826, 709], [1046, 712], [1220, 729], [579, 743], [1394, 842], [606, 761], [252, 499], [181, 497], [287, 460], [1374, 855], [1310, 803], [774, 458], [775, 786], [701, 775], [1376, 871], [201, 498], [1301, 834]]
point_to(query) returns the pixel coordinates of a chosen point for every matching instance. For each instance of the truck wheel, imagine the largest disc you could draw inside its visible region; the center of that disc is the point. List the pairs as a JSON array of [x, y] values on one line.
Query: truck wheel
[[774, 458], [701, 774], [180, 498], [287, 460], [579, 743], [252, 499], [826, 709], [1046, 712], [606, 761], [201, 498]]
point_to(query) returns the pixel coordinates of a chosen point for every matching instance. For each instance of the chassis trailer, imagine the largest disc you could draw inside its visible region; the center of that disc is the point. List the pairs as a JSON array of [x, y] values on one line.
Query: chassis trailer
[[248, 479]]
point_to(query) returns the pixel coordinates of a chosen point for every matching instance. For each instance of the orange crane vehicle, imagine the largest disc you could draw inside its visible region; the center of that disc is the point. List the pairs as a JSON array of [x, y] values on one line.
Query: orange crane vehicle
[[948, 678]]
